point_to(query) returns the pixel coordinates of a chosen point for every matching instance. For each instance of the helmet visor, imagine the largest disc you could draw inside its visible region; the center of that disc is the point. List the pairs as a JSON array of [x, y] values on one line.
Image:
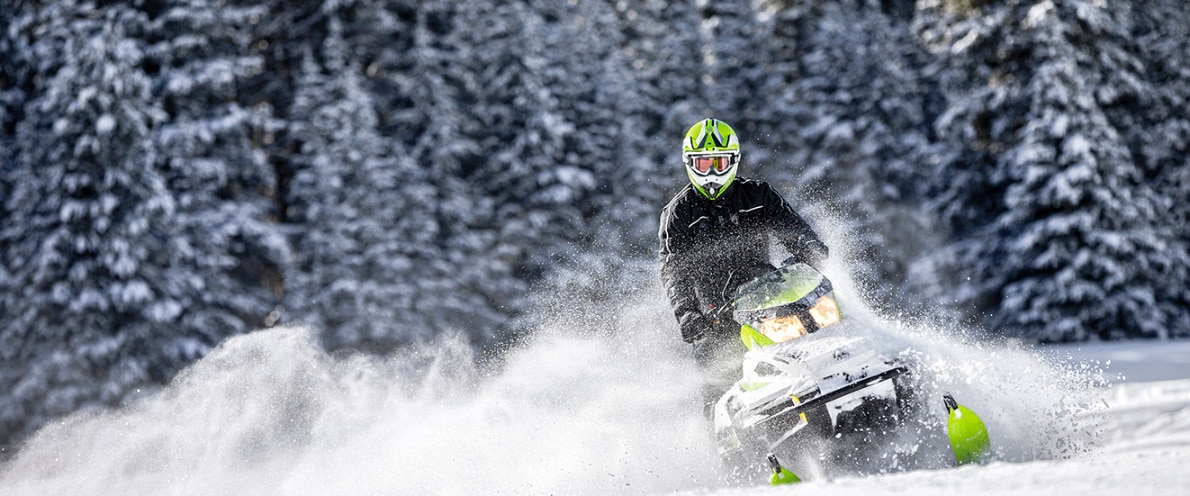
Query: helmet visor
[[711, 164]]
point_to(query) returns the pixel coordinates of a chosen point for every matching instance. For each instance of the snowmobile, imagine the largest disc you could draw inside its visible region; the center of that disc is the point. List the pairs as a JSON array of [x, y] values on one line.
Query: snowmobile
[[816, 388]]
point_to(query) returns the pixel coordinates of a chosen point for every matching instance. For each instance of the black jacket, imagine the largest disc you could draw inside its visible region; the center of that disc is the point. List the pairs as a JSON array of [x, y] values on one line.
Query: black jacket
[[709, 248]]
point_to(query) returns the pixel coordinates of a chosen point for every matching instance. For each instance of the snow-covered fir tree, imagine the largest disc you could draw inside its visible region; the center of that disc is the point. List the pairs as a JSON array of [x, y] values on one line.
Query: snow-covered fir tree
[[597, 169], [737, 71], [640, 88], [1158, 134], [847, 135], [663, 62], [15, 76], [357, 271], [470, 280], [1068, 247], [962, 192], [90, 300], [209, 150]]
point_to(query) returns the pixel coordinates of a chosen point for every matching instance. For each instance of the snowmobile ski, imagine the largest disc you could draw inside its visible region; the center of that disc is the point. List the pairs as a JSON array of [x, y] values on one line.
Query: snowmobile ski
[[968, 435], [781, 475]]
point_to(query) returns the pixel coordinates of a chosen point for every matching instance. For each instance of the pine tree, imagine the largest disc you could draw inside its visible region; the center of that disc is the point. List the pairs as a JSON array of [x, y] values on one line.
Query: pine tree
[[1159, 136], [89, 298], [459, 56], [15, 77], [355, 194], [739, 73], [209, 151], [1074, 239], [976, 77], [591, 183], [665, 68], [848, 125], [442, 255]]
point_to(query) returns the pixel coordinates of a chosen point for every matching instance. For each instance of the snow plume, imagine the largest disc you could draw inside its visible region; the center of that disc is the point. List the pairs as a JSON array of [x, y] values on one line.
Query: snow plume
[[271, 413], [1035, 408], [596, 402], [1036, 405]]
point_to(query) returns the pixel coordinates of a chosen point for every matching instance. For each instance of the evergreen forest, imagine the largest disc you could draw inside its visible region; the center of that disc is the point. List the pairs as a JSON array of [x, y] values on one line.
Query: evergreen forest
[[176, 172]]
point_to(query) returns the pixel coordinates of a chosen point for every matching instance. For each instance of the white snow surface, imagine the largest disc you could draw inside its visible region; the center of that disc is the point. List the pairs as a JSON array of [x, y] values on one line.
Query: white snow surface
[[581, 411]]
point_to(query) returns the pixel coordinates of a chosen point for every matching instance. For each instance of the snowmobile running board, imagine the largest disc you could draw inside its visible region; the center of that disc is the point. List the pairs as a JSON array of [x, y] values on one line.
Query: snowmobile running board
[[790, 407]]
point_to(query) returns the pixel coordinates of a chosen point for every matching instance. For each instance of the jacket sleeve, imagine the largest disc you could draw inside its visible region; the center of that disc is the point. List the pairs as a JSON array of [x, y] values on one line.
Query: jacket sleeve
[[794, 232], [675, 270]]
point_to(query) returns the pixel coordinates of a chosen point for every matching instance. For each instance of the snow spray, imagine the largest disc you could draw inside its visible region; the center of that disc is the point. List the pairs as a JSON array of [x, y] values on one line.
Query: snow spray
[[1036, 405], [600, 402], [271, 413]]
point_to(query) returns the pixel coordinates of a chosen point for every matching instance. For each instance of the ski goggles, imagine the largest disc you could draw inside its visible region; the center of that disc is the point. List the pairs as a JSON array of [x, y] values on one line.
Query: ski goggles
[[711, 163]]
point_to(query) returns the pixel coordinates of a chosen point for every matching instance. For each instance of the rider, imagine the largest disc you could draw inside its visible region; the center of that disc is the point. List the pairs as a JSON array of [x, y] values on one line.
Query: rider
[[714, 237]]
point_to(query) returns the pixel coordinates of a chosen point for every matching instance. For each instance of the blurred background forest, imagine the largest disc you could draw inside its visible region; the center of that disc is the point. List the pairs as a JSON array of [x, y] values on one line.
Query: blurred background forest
[[175, 172]]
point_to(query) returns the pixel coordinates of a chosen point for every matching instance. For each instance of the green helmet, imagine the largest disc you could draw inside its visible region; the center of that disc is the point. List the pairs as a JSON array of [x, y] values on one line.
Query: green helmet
[[711, 152]]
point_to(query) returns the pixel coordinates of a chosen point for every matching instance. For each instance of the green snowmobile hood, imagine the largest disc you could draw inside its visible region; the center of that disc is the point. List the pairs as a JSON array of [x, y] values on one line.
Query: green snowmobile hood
[[753, 338], [968, 435]]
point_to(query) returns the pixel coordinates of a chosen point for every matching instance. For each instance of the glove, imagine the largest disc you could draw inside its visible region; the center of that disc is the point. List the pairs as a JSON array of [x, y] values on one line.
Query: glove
[[694, 325]]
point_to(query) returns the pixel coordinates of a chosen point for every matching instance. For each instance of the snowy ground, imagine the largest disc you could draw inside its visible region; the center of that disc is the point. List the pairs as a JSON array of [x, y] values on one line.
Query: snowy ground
[[579, 411]]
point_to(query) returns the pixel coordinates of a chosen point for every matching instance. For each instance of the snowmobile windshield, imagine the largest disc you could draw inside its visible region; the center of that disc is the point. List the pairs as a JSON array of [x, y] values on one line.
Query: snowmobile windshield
[[781, 287], [787, 303]]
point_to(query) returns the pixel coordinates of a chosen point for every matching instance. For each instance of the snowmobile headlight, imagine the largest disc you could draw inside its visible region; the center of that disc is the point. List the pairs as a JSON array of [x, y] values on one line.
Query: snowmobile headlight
[[825, 312], [781, 329]]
